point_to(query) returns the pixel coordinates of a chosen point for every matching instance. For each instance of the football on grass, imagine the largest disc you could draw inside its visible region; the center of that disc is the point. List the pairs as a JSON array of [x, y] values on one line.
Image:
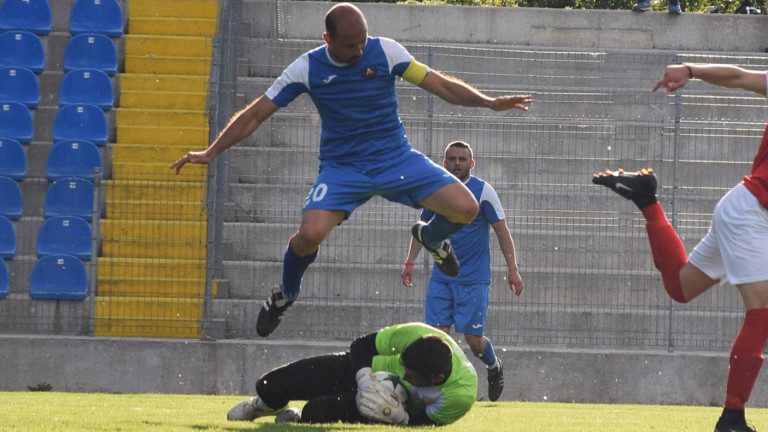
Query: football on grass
[[392, 382]]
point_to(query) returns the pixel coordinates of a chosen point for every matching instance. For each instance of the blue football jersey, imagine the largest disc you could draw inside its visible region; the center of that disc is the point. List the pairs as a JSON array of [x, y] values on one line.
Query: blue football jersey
[[471, 243], [357, 103]]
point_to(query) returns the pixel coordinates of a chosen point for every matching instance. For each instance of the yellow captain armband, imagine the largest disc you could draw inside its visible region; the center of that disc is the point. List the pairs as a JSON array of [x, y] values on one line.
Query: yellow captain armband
[[416, 72]]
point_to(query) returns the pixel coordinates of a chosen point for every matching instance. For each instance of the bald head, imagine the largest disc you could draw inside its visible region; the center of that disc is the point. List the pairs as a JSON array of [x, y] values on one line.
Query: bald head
[[343, 18]]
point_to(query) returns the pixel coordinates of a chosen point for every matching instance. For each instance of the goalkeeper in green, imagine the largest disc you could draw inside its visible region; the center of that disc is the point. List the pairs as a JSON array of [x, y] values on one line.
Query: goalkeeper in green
[[340, 387]]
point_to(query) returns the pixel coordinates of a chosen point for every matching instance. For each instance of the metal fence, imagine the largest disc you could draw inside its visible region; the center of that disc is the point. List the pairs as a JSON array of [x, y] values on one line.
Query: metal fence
[[582, 251]]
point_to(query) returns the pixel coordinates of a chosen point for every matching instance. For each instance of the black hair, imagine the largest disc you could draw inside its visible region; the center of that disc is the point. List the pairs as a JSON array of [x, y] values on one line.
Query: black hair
[[460, 144], [429, 356]]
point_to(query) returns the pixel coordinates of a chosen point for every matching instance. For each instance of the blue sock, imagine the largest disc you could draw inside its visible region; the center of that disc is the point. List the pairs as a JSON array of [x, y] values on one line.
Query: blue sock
[[439, 229], [294, 267], [489, 355]]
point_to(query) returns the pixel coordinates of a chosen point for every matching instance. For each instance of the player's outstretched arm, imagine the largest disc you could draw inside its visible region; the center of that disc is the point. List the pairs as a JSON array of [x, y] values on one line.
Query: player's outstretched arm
[[676, 76], [457, 92], [240, 126]]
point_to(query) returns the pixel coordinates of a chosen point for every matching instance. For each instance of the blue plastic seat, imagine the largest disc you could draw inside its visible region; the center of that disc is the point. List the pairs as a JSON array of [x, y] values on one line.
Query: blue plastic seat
[[59, 277], [20, 85], [7, 238], [5, 280], [16, 122], [81, 122], [22, 49], [70, 235], [11, 200], [96, 16], [13, 159], [30, 15], [69, 197], [73, 158], [86, 86], [91, 51]]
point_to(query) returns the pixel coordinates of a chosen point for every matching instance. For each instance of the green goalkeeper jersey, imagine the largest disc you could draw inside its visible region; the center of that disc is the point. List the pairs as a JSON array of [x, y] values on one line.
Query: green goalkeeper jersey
[[445, 403]]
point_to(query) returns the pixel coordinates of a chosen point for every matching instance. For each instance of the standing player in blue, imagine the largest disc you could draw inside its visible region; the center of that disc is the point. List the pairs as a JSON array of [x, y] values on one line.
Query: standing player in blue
[[462, 301], [363, 148]]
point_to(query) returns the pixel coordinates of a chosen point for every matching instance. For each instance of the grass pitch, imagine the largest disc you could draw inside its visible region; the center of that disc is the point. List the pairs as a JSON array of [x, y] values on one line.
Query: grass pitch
[[82, 412]]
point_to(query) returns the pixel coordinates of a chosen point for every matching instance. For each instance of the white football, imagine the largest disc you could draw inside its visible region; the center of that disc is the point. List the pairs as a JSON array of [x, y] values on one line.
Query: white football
[[392, 382]]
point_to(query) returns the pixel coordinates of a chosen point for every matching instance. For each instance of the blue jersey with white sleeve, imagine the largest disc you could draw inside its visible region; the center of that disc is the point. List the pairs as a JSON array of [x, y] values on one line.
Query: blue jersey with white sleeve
[[357, 103], [471, 243]]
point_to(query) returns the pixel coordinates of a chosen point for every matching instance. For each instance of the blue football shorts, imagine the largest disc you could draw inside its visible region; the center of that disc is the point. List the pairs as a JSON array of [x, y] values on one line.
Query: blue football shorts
[[407, 179], [465, 306]]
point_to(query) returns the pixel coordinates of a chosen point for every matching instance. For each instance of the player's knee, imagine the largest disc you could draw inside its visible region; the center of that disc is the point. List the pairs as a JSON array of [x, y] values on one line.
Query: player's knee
[[467, 213]]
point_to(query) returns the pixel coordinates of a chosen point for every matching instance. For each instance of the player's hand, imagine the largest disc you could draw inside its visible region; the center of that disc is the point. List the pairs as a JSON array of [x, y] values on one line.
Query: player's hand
[[515, 282], [198, 157], [376, 403], [407, 275], [675, 77], [503, 103]]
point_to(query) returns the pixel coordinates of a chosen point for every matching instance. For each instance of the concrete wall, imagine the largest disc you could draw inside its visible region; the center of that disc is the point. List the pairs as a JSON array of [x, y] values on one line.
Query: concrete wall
[[77, 364], [545, 27]]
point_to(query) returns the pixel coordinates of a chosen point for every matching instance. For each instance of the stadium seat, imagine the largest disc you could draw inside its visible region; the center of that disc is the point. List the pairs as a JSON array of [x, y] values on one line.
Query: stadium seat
[[70, 235], [22, 49], [73, 158], [7, 238], [91, 51], [96, 16], [5, 280], [16, 122], [13, 159], [69, 197], [11, 200], [20, 85], [30, 15], [59, 277], [80, 122], [86, 86]]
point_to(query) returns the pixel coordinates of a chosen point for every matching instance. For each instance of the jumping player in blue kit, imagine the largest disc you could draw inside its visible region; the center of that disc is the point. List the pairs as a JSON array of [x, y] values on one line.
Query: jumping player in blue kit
[[363, 147]]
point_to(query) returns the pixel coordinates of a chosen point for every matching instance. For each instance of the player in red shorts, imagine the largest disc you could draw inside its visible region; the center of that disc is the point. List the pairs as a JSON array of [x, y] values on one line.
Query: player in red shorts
[[736, 246]]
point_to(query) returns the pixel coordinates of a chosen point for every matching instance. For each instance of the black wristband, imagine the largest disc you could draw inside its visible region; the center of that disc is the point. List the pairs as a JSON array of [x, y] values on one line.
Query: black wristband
[[690, 72]]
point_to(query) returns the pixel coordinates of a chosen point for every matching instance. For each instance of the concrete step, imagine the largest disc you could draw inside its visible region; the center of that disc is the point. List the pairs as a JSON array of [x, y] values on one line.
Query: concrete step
[[147, 317], [506, 325], [49, 317]]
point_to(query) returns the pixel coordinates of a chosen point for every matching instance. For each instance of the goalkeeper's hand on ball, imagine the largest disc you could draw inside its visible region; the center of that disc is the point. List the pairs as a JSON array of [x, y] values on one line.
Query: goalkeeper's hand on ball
[[376, 402]]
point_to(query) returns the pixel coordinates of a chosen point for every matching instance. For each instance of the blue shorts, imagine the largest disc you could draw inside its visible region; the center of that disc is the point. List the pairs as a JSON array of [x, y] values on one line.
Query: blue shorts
[[465, 306], [409, 178]]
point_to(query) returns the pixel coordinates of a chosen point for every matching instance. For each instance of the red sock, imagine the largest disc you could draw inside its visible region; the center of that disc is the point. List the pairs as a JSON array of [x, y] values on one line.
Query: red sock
[[746, 358], [667, 249]]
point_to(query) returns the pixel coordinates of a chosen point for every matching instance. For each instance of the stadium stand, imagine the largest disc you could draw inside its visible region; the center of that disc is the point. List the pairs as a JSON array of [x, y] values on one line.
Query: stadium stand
[[91, 51], [16, 122], [81, 122], [96, 16], [7, 238], [22, 49], [73, 158], [69, 197], [13, 159], [11, 200], [59, 277], [69, 235], [87, 86], [5, 280], [20, 85], [29, 15]]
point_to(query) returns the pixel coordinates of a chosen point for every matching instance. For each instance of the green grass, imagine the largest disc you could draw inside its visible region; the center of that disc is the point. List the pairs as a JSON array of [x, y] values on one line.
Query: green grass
[[53, 411]]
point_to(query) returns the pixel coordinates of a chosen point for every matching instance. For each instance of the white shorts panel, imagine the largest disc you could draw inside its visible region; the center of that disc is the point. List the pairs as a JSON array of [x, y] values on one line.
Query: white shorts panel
[[736, 245]]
